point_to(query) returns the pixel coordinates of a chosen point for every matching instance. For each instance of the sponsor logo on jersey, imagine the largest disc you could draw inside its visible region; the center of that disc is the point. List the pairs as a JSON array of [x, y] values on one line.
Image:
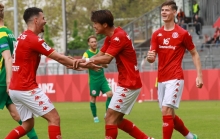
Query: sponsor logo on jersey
[[175, 35], [167, 47], [116, 39], [4, 45], [47, 87], [46, 46], [159, 34]]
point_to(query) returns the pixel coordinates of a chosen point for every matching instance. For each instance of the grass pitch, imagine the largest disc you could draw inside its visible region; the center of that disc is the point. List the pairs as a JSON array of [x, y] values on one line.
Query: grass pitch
[[201, 117]]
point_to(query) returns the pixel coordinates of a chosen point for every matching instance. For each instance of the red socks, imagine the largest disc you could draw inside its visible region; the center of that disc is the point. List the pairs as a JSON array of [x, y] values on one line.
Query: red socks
[[168, 126], [54, 132], [131, 129], [179, 126], [111, 131], [16, 133]]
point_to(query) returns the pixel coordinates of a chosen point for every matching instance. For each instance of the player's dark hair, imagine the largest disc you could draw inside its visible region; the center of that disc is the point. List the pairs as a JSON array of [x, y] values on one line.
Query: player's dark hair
[[92, 36], [103, 16], [30, 12], [1, 11], [170, 3]]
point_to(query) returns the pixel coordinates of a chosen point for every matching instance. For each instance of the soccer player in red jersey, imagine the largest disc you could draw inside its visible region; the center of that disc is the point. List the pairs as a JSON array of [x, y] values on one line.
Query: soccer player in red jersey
[[23, 90], [118, 45], [169, 43]]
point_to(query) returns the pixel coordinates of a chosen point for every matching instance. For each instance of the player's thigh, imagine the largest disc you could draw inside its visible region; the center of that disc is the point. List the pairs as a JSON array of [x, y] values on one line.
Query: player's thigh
[[173, 93], [94, 89], [123, 99], [3, 96]]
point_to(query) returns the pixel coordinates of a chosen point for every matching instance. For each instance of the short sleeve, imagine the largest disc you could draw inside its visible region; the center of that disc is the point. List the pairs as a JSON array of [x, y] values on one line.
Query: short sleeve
[[153, 44], [117, 43], [4, 44], [187, 41], [42, 47]]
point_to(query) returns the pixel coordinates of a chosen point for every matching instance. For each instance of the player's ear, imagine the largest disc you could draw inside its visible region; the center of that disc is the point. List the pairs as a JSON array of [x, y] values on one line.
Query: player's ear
[[105, 25]]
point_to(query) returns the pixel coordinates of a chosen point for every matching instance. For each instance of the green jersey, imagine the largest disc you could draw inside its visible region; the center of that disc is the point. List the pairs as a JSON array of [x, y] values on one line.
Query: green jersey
[[94, 76], [7, 41]]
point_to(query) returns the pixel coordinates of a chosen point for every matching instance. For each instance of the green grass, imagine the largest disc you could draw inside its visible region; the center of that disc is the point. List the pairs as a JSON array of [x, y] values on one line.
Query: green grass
[[201, 117]]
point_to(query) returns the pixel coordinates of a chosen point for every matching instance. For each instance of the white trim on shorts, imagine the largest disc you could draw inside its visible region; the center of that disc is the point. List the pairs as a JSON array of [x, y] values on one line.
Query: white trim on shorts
[[31, 103], [170, 93], [123, 99]]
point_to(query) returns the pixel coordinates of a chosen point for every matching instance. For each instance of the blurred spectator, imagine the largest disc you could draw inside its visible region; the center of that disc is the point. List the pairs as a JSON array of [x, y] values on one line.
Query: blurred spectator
[[198, 23], [207, 41], [180, 16], [195, 8], [216, 37], [183, 24]]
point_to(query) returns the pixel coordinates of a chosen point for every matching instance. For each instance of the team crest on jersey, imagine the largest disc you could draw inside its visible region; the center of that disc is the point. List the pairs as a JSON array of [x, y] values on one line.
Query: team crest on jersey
[[93, 92], [39, 39], [46, 46], [175, 35]]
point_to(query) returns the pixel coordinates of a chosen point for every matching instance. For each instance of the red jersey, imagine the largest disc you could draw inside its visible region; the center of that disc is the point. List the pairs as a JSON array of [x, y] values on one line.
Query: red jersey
[[171, 46], [119, 45], [26, 58]]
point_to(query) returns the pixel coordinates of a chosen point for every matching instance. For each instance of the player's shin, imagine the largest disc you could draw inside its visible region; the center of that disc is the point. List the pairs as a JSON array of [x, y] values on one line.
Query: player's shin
[[16, 133], [131, 129], [179, 126], [168, 126], [111, 131], [54, 132], [31, 134]]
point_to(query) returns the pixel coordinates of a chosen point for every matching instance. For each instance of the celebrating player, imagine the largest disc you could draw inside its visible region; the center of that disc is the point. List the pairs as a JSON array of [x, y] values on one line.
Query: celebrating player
[[170, 43], [23, 90], [118, 45], [97, 80], [7, 42]]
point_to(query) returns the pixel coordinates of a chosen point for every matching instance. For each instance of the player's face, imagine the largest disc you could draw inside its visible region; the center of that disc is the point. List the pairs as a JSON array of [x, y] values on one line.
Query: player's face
[[92, 43], [40, 22], [99, 28], [167, 14]]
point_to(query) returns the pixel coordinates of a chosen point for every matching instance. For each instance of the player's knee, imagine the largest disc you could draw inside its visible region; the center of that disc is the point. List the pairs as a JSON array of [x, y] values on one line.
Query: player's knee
[[167, 111]]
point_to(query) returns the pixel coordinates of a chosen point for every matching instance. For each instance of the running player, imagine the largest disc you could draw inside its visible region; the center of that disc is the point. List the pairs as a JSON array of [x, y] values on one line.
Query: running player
[[97, 80], [118, 45], [23, 90], [170, 43], [7, 42]]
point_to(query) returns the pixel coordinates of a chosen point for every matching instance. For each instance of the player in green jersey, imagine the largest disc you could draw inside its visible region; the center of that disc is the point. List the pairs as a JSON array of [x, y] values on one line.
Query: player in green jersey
[[97, 80], [7, 42]]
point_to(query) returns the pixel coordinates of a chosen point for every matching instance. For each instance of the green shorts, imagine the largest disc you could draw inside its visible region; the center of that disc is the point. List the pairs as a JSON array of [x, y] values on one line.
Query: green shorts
[[95, 88], [5, 100]]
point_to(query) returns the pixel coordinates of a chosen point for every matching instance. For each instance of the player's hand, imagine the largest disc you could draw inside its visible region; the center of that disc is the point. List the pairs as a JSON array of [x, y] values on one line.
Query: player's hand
[[91, 65], [199, 82], [78, 69], [76, 63], [151, 55]]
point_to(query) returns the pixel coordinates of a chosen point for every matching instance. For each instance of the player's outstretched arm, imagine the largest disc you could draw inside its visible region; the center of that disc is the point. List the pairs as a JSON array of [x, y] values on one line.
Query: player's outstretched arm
[[197, 63], [8, 65]]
